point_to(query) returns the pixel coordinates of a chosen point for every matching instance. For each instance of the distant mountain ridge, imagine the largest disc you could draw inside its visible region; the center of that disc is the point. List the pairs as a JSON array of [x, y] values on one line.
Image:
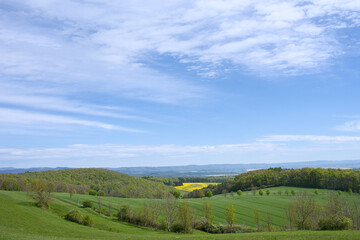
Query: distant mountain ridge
[[207, 170]]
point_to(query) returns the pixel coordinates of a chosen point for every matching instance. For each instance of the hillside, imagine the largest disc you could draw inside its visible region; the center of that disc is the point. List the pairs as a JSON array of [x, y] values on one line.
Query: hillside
[[20, 219], [336, 179], [83, 179]]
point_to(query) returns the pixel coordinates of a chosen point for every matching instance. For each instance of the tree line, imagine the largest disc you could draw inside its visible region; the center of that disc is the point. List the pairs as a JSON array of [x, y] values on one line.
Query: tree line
[[334, 179]]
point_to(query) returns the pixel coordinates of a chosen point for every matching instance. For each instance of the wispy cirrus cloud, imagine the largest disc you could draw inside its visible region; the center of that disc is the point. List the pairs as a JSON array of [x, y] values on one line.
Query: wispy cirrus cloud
[[313, 138], [27, 119], [119, 155], [349, 126]]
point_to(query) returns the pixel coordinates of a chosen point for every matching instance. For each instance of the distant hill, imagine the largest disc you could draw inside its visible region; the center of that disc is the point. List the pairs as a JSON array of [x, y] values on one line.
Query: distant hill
[[209, 170], [83, 179]]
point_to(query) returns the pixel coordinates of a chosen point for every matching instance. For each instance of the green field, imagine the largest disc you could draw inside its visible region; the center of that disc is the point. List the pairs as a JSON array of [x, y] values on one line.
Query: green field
[[21, 219]]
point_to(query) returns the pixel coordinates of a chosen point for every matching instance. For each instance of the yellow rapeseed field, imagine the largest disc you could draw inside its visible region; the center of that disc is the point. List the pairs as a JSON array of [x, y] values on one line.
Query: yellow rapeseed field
[[189, 187]]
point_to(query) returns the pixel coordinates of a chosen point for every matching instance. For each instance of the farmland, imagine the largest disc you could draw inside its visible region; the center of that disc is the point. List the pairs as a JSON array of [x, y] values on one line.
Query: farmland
[[20, 219], [189, 187], [273, 204]]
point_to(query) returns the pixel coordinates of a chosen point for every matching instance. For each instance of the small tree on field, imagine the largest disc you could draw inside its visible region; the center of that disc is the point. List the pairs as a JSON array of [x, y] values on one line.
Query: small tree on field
[[169, 211], [72, 191], [87, 204], [350, 191], [184, 217], [209, 194], [224, 192], [269, 224], [293, 192], [208, 215], [101, 193], [304, 211], [239, 192], [279, 192], [257, 218], [177, 194], [232, 194], [339, 192], [287, 192], [42, 193], [253, 190], [201, 193], [261, 192], [268, 192], [230, 216], [93, 192], [316, 192]]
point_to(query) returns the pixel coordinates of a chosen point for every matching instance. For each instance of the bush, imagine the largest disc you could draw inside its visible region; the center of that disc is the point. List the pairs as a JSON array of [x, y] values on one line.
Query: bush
[[87, 204], [93, 192], [101, 193], [177, 227], [88, 221], [74, 216], [335, 223]]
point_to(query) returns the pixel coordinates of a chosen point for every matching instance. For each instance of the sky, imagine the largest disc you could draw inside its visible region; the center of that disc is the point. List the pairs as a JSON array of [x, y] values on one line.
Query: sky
[[90, 83]]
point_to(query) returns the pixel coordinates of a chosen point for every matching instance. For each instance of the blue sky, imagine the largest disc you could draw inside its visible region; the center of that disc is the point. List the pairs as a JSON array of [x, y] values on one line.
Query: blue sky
[[92, 83]]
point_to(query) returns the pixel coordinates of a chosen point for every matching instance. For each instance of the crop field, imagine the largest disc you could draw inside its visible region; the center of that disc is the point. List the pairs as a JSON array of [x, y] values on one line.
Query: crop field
[[189, 187], [21, 219]]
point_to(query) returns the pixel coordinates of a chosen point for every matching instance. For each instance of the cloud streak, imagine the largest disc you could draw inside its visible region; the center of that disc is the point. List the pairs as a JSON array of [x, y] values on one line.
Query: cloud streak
[[28, 119], [312, 138]]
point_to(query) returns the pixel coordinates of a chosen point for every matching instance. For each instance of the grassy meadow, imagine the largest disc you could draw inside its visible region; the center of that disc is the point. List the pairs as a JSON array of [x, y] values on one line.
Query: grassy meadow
[[21, 219]]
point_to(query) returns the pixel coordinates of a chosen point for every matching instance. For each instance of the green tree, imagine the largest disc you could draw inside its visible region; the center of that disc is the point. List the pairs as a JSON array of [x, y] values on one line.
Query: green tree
[[239, 192], [350, 191], [208, 215], [339, 192], [101, 193], [184, 217], [287, 192], [293, 192], [169, 211], [257, 218], [209, 194], [316, 192], [177, 194], [224, 192], [201, 193], [279, 192], [42, 191], [268, 192], [261, 192], [230, 216], [93, 192]]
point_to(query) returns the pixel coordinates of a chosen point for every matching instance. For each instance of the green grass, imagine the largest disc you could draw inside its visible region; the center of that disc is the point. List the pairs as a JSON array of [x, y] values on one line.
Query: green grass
[[21, 219], [274, 205]]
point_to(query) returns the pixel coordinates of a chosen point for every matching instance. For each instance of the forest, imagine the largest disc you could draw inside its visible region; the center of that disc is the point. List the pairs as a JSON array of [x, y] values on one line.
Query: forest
[[335, 179], [87, 180]]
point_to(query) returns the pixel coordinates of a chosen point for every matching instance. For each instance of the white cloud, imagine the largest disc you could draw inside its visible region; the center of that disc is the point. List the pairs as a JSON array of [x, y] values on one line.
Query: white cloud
[[314, 138], [113, 154], [26, 119], [350, 126]]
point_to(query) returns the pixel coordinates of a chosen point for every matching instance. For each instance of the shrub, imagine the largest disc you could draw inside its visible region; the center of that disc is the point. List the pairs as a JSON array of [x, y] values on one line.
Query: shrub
[[177, 227], [74, 216], [88, 221], [101, 193], [87, 204], [93, 192], [125, 213], [335, 223]]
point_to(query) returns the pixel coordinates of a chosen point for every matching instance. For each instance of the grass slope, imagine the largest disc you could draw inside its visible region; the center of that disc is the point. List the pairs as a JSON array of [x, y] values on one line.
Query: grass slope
[[20, 219], [274, 205]]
